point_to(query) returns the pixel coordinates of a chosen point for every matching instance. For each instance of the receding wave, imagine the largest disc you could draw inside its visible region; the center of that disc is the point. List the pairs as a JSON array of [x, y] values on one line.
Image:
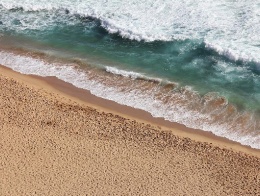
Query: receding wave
[[210, 112], [129, 74], [135, 75]]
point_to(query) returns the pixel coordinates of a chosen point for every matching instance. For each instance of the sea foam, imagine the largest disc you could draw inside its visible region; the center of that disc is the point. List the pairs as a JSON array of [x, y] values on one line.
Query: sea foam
[[230, 29], [176, 105]]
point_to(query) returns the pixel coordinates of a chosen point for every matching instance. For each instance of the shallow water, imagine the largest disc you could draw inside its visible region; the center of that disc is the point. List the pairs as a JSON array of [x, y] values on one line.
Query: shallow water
[[193, 63]]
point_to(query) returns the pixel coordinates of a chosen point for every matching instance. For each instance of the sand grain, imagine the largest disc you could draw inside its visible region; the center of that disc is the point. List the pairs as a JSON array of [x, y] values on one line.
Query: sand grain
[[51, 145]]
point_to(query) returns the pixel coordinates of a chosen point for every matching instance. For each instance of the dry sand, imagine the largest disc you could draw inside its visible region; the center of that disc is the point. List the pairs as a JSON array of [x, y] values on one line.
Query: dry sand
[[54, 144]]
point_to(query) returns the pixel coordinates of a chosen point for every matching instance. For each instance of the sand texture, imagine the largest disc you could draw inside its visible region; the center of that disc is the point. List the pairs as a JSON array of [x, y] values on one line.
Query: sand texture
[[50, 145]]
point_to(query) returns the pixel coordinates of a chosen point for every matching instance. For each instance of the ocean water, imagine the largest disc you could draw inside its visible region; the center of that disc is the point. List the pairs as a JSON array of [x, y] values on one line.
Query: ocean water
[[192, 62]]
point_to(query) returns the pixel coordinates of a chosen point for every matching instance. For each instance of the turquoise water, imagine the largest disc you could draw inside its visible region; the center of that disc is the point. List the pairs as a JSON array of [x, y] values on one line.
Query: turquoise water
[[204, 59]]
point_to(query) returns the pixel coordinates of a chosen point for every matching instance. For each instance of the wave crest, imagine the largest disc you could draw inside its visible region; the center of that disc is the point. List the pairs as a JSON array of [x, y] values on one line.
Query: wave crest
[[230, 31]]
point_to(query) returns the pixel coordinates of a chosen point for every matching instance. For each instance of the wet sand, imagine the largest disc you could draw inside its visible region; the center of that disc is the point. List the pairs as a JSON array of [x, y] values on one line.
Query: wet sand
[[60, 140]]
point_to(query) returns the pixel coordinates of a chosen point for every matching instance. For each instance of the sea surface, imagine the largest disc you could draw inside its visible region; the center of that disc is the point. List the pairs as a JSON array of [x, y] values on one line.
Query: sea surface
[[192, 62]]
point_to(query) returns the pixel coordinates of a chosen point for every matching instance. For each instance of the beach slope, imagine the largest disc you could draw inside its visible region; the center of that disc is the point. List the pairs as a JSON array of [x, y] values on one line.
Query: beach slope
[[53, 144]]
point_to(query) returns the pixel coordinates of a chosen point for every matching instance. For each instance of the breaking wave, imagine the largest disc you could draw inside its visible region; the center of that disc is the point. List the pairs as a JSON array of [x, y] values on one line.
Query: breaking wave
[[229, 29]]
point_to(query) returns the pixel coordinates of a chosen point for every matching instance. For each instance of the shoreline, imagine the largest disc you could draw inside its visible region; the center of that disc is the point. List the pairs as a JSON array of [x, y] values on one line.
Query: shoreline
[[84, 97], [53, 143]]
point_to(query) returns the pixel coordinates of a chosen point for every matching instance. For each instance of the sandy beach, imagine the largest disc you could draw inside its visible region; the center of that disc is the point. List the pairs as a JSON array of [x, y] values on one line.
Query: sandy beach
[[60, 140]]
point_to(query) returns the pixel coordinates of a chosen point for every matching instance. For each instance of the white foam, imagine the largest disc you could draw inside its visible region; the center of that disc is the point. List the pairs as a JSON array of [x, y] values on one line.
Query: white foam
[[129, 74], [132, 74], [249, 55], [177, 111], [232, 29]]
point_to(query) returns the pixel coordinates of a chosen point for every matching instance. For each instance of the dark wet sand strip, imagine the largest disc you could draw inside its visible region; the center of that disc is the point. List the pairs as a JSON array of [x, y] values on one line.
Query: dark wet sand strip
[[60, 140]]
